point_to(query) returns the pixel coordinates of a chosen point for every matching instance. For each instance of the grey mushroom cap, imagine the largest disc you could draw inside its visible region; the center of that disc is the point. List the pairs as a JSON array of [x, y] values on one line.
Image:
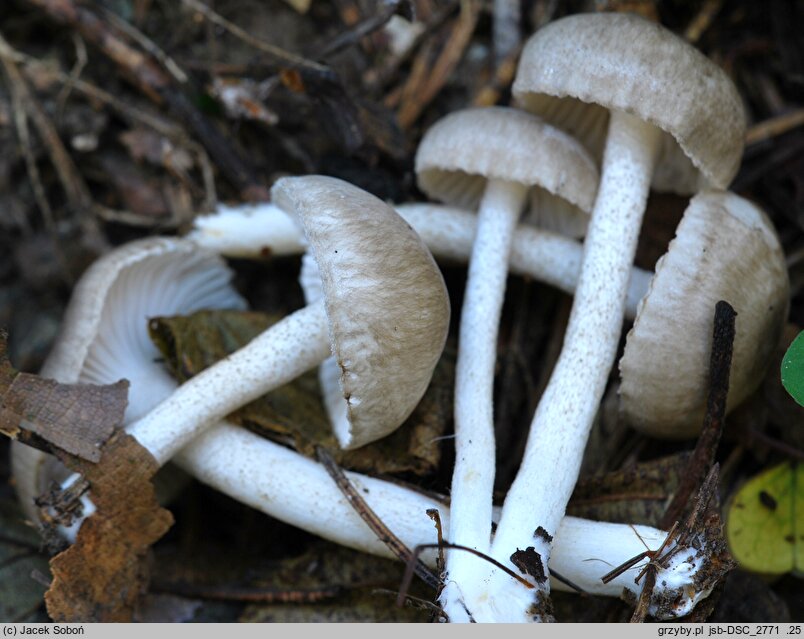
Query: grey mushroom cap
[[576, 69], [725, 249], [385, 299], [463, 150]]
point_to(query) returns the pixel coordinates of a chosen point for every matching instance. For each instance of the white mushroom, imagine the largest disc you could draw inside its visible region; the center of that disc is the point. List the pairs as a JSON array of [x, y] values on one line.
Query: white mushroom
[[104, 338], [104, 334], [384, 316], [660, 98], [484, 158]]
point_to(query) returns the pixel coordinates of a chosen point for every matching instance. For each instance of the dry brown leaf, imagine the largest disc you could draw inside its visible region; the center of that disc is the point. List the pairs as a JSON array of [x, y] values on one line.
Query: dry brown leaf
[[295, 411], [638, 494], [103, 575], [325, 583], [77, 418]]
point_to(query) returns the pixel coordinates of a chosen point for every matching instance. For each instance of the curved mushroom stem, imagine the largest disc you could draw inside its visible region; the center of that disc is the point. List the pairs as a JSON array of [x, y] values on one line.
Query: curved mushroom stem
[[560, 427], [291, 347], [473, 475], [298, 491], [448, 232], [298, 343], [268, 477]]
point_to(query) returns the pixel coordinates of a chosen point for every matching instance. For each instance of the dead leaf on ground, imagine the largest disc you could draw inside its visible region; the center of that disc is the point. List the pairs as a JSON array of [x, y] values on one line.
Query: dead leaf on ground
[[328, 583], [638, 495], [103, 575], [749, 598], [149, 146], [295, 411], [77, 418], [20, 593]]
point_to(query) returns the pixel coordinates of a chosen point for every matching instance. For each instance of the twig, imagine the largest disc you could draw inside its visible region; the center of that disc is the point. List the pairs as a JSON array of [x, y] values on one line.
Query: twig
[[417, 98], [433, 514], [365, 27], [411, 567], [76, 191], [384, 534], [647, 554], [702, 20], [279, 55], [707, 490], [148, 45], [571, 584], [704, 454], [774, 444], [21, 125], [774, 126], [75, 72], [149, 77], [643, 603]]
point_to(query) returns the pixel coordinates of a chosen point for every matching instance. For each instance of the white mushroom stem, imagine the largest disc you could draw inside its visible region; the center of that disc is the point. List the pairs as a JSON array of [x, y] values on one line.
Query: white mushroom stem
[[473, 475], [252, 231], [291, 347], [249, 230], [298, 343], [299, 492], [560, 428], [279, 482]]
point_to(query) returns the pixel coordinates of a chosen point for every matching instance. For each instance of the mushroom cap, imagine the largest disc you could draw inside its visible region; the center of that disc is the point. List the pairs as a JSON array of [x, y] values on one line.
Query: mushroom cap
[[725, 249], [463, 150], [104, 333], [574, 70], [141, 279], [385, 298]]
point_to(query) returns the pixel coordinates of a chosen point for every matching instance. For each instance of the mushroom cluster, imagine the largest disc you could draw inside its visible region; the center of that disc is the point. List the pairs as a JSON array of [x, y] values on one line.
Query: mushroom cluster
[[595, 127], [100, 342]]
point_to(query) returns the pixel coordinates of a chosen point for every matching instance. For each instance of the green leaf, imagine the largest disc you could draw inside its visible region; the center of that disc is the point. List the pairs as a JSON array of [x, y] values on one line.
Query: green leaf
[[765, 521], [793, 369]]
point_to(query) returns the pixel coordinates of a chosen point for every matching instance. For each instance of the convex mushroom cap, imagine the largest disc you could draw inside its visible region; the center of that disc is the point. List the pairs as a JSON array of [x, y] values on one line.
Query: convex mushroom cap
[[464, 150], [384, 315], [633, 70], [725, 249], [574, 71], [385, 299]]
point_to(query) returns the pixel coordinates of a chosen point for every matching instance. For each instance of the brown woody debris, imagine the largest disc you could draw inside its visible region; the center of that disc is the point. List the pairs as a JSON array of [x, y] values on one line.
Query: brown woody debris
[[76, 418], [103, 575]]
